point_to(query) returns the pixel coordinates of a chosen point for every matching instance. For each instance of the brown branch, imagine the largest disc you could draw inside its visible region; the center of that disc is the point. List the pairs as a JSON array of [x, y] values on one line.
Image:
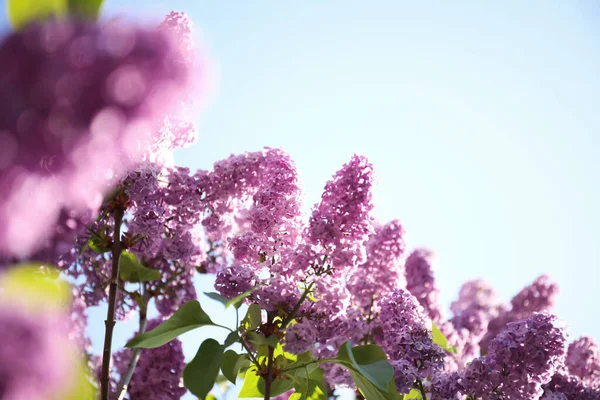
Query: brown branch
[[116, 250]]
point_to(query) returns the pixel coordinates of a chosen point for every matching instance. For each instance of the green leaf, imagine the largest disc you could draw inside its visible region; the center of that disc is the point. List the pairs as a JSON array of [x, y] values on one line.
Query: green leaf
[[253, 318], [89, 9], [237, 301], [36, 287], [232, 338], [370, 361], [440, 339], [309, 385], [414, 394], [96, 243], [23, 12], [189, 316], [372, 392], [254, 385], [231, 364], [81, 387], [131, 270], [216, 296], [210, 397], [250, 386], [200, 374], [258, 339], [242, 365]]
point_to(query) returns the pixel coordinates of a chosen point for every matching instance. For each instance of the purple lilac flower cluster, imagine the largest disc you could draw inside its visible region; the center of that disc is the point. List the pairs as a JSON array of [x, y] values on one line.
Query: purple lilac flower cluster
[[537, 297], [521, 359], [382, 272], [421, 282], [407, 340]]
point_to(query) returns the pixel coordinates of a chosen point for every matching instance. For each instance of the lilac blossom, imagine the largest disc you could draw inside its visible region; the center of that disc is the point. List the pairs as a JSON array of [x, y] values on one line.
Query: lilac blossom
[[421, 282], [570, 387], [300, 337], [537, 297], [407, 340], [475, 307], [521, 359], [35, 357], [382, 272], [583, 361], [76, 99], [341, 224]]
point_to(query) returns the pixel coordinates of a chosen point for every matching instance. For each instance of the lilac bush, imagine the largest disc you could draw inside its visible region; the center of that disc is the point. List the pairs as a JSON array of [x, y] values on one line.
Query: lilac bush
[[332, 300]]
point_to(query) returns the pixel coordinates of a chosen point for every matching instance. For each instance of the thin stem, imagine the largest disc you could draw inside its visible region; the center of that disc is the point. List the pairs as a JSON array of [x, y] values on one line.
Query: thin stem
[[421, 389], [135, 353], [254, 360], [269, 376], [116, 249], [291, 315], [369, 320]]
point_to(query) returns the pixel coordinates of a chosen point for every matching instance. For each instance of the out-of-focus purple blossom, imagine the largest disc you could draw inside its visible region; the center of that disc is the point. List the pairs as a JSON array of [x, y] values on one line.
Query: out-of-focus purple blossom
[[476, 305], [78, 322], [583, 360], [407, 340], [35, 357], [537, 297], [341, 224], [158, 372], [421, 282], [521, 359], [462, 341], [77, 100], [383, 271]]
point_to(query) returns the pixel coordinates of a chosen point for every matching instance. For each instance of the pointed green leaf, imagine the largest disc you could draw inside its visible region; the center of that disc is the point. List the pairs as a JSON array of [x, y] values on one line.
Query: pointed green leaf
[[131, 270], [242, 364], [253, 318], [216, 296], [200, 374], [310, 385], [370, 361], [88, 9], [96, 243], [250, 386], [372, 392], [254, 385], [23, 12], [237, 301], [231, 364], [232, 338], [440, 339], [258, 339], [189, 316]]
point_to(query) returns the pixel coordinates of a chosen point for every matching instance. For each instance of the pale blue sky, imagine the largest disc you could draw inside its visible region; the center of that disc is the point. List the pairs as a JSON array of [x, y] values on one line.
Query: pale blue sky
[[480, 117]]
